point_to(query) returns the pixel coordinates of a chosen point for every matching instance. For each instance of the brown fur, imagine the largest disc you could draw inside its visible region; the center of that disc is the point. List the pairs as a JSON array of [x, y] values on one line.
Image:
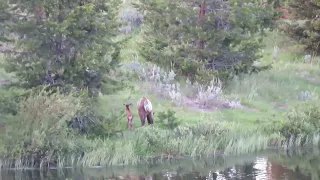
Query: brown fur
[[129, 115], [143, 114]]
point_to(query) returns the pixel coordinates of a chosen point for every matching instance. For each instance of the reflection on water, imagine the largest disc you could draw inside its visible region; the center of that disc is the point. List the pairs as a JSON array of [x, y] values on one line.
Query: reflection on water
[[270, 165]]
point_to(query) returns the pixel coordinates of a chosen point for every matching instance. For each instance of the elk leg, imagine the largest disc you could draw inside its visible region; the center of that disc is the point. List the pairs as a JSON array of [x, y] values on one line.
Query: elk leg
[[150, 119], [128, 123], [142, 118], [131, 123]]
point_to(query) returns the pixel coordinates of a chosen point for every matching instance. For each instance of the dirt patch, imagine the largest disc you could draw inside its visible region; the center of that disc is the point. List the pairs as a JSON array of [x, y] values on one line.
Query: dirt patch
[[249, 109], [280, 106], [5, 48], [195, 105], [3, 82], [313, 80], [306, 76], [216, 105]]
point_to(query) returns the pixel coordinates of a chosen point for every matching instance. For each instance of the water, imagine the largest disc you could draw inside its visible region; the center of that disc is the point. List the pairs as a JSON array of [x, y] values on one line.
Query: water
[[272, 165]]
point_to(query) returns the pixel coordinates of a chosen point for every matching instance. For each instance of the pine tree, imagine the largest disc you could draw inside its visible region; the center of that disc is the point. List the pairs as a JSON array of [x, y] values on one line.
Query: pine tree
[[64, 42], [4, 17], [305, 24], [226, 38]]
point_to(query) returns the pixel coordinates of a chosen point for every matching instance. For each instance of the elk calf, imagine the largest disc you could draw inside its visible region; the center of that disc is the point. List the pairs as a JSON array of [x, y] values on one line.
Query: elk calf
[[129, 115]]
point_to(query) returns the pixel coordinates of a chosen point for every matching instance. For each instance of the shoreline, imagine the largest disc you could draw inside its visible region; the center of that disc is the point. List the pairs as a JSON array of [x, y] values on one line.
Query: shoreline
[[157, 159]]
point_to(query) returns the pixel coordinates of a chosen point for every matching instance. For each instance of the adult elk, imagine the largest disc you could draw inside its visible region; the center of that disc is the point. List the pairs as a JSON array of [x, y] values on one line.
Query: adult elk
[[129, 115], [144, 106]]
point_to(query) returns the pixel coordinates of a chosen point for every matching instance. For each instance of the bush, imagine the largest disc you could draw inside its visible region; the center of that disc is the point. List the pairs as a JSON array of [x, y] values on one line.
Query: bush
[[9, 100], [303, 119], [39, 130], [208, 96], [305, 24], [166, 84], [131, 19], [107, 126], [161, 82], [45, 129], [168, 119]]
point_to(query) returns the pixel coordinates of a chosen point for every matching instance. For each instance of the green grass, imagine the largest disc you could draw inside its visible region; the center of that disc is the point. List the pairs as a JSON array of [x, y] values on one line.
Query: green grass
[[152, 144], [262, 94], [266, 95], [159, 104], [3, 74]]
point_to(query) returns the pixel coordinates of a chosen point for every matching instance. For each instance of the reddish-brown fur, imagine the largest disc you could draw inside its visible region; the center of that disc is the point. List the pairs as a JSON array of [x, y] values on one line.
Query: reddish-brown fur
[[143, 114], [129, 115]]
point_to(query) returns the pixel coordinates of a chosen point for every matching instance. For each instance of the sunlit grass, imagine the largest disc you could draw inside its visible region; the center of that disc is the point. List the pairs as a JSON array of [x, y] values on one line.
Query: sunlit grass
[[266, 96], [152, 145]]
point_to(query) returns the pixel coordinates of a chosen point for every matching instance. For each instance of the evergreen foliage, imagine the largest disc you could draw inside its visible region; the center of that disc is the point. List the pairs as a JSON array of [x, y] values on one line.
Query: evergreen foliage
[[305, 26], [227, 39], [168, 119], [4, 17], [64, 43]]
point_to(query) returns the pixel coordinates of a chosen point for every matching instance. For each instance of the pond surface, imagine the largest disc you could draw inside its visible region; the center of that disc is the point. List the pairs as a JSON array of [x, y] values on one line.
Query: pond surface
[[273, 165]]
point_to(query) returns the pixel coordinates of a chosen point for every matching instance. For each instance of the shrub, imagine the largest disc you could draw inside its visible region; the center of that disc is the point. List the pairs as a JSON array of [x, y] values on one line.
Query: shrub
[[39, 130], [303, 119], [304, 95], [131, 19], [304, 27], [161, 82], [107, 126], [168, 119], [9, 100], [99, 117], [165, 84], [209, 95]]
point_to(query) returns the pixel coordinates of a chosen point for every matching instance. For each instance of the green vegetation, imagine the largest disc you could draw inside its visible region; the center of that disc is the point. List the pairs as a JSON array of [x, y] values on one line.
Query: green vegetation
[[304, 26], [291, 164], [226, 39], [70, 68]]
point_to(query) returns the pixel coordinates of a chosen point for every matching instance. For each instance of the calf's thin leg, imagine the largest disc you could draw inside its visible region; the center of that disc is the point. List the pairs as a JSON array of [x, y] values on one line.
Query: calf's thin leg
[[129, 123]]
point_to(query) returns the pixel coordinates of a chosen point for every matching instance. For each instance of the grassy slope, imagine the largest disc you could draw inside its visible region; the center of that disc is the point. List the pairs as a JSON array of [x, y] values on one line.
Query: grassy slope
[[264, 93], [268, 94]]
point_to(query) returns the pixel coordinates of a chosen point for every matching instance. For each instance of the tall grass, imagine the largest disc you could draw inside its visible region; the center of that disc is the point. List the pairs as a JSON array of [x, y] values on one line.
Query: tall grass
[[307, 160], [152, 144], [38, 137]]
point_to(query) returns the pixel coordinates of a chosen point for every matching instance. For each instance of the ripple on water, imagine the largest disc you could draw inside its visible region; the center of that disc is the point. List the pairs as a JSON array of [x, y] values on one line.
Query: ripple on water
[[249, 167]]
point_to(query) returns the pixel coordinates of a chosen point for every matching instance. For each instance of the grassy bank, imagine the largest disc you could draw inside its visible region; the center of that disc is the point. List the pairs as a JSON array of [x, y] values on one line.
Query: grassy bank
[[155, 145], [307, 163], [251, 113]]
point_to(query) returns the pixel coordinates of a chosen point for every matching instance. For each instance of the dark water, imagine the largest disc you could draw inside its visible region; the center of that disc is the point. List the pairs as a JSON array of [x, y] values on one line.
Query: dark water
[[273, 165]]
